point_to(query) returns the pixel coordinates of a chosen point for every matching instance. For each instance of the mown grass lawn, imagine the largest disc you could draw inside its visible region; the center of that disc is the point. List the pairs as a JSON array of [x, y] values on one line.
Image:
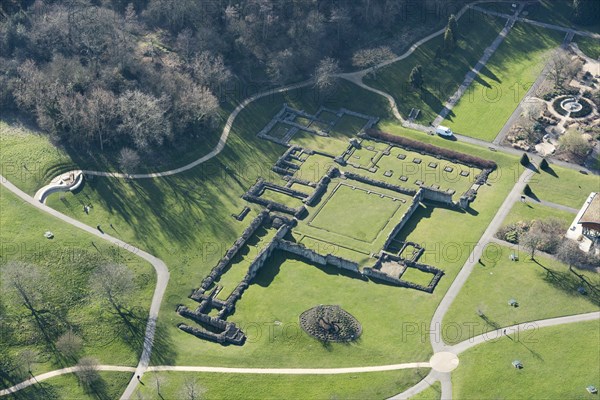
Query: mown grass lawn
[[441, 79], [492, 98], [66, 387], [433, 392], [540, 294], [355, 213], [564, 186], [186, 221], [559, 362], [530, 211], [589, 46], [378, 385], [66, 263]]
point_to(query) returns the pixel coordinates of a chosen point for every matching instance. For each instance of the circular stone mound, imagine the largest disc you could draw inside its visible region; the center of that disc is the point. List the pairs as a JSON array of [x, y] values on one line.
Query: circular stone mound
[[330, 324]]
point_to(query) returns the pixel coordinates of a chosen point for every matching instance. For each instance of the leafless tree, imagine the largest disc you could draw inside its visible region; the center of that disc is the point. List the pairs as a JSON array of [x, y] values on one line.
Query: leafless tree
[[143, 119], [113, 282], [191, 390], [562, 66], [87, 371], [69, 344], [369, 58], [129, 159], [325, 74]]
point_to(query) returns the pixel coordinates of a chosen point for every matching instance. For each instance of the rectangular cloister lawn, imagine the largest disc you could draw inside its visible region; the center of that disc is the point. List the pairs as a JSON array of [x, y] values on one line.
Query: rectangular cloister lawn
[[356, 213]]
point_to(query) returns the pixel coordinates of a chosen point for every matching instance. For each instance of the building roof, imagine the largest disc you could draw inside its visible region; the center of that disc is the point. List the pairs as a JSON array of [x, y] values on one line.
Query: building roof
[[592, 214]]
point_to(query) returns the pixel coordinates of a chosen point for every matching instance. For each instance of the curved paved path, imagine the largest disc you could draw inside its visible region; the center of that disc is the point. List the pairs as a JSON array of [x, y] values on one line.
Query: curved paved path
[[162, 274], [223, 370], [431, 378], [160, 267]]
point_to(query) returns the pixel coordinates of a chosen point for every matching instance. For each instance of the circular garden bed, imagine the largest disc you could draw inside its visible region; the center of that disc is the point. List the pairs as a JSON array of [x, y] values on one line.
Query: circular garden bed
[[585, 110], [330, 323]]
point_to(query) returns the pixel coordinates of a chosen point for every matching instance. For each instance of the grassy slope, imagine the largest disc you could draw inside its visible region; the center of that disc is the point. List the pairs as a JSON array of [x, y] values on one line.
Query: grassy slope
[[185, 220], [558, 12], [564, 186], [441, 79], [233, 386], [70, 257], [490, 100], [559, 363], [29, 160], [540, 294], [590, 46], [67, 387]]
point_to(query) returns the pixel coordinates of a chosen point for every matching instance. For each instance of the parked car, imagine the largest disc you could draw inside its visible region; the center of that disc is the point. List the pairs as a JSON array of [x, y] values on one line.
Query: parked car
[[443, 131]]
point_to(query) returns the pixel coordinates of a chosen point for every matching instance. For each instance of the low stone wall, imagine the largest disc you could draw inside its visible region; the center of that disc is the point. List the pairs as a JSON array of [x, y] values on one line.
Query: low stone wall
[[316, 258], [437, 195], [233, 250], [321, 187], [404, 219], [374, 182]]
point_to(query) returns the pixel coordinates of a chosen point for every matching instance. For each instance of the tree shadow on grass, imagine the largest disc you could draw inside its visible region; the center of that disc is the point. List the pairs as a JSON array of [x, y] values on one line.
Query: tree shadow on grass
[[38, 391], [550, 171], [487, 72], [569, 283]]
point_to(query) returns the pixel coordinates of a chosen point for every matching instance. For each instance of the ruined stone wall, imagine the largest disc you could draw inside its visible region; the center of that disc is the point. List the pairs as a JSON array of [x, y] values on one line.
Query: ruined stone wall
[[437, 195], [316, 258], [321, 186], [405, 218], [374, 182]]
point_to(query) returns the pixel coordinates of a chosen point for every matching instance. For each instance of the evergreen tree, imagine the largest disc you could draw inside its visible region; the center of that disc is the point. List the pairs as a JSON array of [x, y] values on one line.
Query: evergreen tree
[[416, 77], [524, 160], [449, 41], [453, 26]]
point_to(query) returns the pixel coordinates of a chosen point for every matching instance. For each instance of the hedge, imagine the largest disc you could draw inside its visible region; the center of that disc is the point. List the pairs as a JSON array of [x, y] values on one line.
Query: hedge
[[447, 154]]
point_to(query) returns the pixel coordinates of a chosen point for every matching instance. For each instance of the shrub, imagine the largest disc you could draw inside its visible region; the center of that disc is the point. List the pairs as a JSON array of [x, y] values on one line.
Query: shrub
[[447, 154]]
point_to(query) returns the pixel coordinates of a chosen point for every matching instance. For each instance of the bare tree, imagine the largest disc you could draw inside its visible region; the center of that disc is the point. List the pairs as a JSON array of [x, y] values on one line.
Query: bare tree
[[532, 109], [113, 282], [143, 119], [21, 282], [370, 58], [195, 106], [191, 390], [87, 371], [531, 240], [569, 253], [26, 359], [129, 159], [326, 74], [69, 344], [562, 66], [209, 70]]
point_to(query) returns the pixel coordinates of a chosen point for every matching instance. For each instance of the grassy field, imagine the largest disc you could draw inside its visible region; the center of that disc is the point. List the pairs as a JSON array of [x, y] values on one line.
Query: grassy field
[[533, 211], [540, 294], [370, 213], [558, 363], [234, 386], [492, 98], [441, 79], [67, 387], [186, 221], [433, 392], [590, 46], [65, 264], [564, 186]]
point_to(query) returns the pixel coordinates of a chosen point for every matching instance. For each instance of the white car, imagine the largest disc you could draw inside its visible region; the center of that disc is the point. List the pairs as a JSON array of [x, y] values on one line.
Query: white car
[[443, 131]]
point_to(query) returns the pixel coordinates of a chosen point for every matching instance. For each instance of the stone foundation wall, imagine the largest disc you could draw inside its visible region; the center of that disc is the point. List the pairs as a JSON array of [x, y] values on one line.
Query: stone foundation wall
[[405, 218]]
